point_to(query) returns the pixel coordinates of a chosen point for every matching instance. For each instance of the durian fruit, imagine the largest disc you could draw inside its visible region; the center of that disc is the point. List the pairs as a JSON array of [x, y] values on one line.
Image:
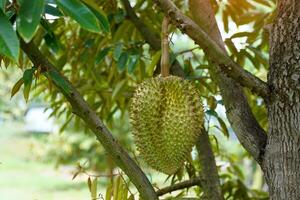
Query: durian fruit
[[166, 115]]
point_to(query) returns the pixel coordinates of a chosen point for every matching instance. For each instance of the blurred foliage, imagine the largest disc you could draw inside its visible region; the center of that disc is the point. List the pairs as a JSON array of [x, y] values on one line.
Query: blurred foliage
[[103, 54]]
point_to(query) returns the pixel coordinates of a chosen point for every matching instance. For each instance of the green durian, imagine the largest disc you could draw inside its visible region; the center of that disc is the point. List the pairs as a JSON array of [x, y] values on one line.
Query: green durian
[[166, 115]]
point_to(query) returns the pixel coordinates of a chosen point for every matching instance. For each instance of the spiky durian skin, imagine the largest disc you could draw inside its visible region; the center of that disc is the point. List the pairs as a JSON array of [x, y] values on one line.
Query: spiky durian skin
[[166, 115]]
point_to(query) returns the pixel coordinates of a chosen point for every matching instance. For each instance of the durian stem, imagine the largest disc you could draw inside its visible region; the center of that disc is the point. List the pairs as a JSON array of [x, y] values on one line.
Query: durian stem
[[165, 48]]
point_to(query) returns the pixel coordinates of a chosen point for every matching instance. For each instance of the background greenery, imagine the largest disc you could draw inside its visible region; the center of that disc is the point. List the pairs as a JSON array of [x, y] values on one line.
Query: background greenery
[[103, 54]]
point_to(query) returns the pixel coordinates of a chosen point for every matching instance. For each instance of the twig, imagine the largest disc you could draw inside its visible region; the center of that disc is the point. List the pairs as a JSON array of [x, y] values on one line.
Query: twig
[[178, 186], [187, 50], [165, 48]]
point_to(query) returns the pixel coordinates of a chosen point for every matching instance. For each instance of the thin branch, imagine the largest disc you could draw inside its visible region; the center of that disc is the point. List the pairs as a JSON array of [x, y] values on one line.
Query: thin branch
[[104, 136], [186, 50], [213, 50], [179, 186], [165, 48]]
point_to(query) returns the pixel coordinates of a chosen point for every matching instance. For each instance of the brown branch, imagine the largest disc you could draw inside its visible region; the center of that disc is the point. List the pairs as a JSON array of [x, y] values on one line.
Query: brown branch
[[213, 50], [165, 48], [82, 109], [179, 186], [248, 131], [209, 171]]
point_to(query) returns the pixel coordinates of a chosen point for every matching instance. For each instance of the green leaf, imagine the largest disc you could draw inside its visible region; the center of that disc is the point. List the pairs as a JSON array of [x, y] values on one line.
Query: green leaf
[[231, 46], [92, 184], [155, 60], [101, 55], [225, 21], [51, 10], [117, 51], [9, 43], [118, 89], [27, 78], [116, 187], [16, 87], [2, 4], [259, 55], [212, 113], [241, 34], [59, 81], [109, 191], [99, 14], [131, 197], [254, 61], [80, 13], [29, 17], [119, 16], [212, 102], [223, 126], [52, 43], [122, 61], [89, 182], [132, 63]]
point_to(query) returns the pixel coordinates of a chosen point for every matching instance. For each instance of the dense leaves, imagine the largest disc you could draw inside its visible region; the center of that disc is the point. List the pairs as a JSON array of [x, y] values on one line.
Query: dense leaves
[[96, 46], [29, 18], [8, 39], [79, 12]]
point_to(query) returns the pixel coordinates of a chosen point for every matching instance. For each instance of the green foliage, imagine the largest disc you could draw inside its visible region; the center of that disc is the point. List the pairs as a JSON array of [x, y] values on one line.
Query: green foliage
[[103, 54], [79, 12], [29, 18], [9, 42]]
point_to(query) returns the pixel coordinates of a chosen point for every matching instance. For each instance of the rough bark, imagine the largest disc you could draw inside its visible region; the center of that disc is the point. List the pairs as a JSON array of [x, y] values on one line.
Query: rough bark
[[82, 109], [238, 111], [282, 157], [209, 172]]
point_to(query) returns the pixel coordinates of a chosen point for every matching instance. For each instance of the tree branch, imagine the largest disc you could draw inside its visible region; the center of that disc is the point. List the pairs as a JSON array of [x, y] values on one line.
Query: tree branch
[[238, 111], [213, 50], [209, 171], [82, 109], [179, 186]]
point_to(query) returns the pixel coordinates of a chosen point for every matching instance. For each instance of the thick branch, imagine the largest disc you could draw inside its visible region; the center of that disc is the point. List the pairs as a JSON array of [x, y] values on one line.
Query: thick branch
[[213, 50], [248, 131], [209, 171], [82, 109], [179, 186]]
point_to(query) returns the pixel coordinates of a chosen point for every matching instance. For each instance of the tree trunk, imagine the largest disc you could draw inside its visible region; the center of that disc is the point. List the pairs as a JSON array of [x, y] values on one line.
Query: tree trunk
[[281, 163]]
